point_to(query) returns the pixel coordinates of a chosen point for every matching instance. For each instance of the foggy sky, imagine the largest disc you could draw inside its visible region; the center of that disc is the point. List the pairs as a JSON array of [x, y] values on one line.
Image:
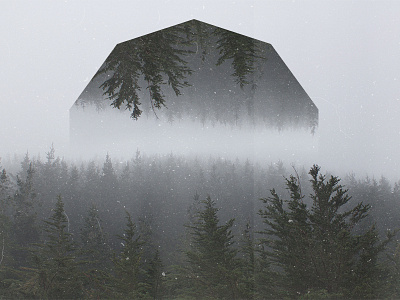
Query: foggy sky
[[345, 54]]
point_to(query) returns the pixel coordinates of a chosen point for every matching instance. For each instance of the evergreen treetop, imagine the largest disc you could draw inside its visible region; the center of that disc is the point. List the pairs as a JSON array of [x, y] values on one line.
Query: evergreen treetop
[[317, 247]]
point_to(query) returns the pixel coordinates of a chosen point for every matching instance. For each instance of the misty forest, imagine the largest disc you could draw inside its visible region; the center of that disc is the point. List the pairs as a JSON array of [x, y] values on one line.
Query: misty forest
[[154, 222], [167, 227]]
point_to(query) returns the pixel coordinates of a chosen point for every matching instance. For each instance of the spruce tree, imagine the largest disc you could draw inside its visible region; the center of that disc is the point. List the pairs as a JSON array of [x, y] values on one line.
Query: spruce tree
[[95, 253], [128, 264], [213, 266], [155, 277], [25, 230], [8, 275], [5, 201], [392, 287], [95, 247], [317, 247], [247, 262], [56, 274], [157, 58]]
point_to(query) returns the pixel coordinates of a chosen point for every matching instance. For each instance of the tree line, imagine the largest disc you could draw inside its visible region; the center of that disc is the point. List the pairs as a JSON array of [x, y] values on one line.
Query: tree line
[[170, 227]]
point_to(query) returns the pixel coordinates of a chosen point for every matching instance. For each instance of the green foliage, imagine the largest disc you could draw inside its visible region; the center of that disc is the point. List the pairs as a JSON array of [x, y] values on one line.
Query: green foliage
[[95, 256], [321, 294], [316, 247], [156, 277], [242, 50], [95, 246], [213, 265], [129, 265], [393, 280], [157, 58], [9, 278], [160, 59], [56, 274], [247, 263], [5, 201], [5, 191], [25, 230]]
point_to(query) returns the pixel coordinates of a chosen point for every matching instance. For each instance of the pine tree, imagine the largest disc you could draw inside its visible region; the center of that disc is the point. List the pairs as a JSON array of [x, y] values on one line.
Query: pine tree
[[155, 277], [5, 203], [107, 191], [5, 190], [242, 51], [49, 175], [290, 246], [157, 58], [95, 253], [95, 246], [247, 251], [25, 163], [91, 182], [316, 247], [213, 266], [56, 275], [128, 264], [392, 287], [25, 231], [7, 273]]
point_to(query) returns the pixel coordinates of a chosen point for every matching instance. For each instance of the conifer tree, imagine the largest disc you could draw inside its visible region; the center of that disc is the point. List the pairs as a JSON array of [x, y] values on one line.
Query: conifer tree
[[56, 275], [213, 266], [247, 251], [107, 192], [317, 247], [5, 190], [25, 163], [160, 59], [6, 244], [25, 231], [5, 201], [157, 58], [392, 286], [95, 246], [95, 252], [155, 277], [128, 264]]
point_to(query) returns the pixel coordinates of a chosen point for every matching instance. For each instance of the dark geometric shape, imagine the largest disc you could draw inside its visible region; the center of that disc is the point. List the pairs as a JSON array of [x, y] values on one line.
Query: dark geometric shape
[[235, 80]]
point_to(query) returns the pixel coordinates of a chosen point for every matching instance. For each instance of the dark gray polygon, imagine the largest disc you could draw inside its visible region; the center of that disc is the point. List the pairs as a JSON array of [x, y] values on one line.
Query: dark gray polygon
[[274, 98]]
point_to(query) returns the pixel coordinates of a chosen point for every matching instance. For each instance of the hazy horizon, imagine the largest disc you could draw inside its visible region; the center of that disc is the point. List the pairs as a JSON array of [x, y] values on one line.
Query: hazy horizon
[[344, 54]]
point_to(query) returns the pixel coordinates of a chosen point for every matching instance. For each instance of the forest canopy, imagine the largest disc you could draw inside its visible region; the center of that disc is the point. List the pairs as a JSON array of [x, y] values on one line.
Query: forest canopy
[[170, 227]]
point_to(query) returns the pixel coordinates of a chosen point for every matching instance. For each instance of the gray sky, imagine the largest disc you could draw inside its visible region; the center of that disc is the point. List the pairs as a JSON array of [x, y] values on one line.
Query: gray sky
[[345, 54]]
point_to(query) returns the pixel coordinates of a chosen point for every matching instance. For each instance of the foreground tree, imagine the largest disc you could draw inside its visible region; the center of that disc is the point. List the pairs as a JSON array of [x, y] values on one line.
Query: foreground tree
[[247, 262], [155, 277], [393, 275], [94, 248], [25, 231], [5, 201], [213, 266], [316, 247], [8, 275], [95, 255], [56, 274], [128, 264]]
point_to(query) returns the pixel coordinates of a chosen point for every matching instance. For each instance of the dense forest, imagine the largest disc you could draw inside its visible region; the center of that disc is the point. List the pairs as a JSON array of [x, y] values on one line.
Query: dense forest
[[171, 227]]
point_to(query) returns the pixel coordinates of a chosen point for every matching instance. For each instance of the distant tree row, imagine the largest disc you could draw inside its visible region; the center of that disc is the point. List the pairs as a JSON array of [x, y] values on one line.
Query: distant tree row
[[149, 240]]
